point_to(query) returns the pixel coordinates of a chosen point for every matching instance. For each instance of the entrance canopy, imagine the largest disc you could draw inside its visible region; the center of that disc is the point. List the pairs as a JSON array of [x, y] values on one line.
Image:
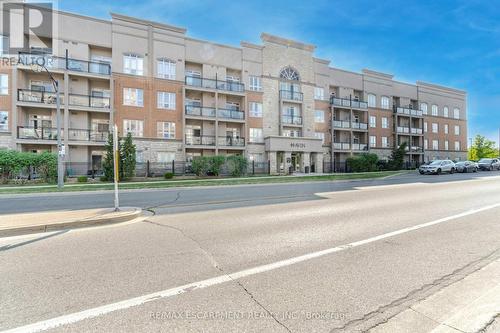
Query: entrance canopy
[[290, 144]]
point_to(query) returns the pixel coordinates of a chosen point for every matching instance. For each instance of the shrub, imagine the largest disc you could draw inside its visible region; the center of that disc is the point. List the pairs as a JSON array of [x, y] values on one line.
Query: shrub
[[82, 179], [237, 165], [103, 179], [169, 175], [363, 163], [215, 164], [127, 158], [200, 165], [12, 162]]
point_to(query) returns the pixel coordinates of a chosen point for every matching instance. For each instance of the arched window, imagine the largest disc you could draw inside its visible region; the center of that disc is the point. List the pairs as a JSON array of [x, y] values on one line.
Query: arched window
[[288, 73]]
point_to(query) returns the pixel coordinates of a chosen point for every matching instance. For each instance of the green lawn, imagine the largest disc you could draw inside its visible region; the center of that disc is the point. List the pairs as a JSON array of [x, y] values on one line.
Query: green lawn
[[10, 189]]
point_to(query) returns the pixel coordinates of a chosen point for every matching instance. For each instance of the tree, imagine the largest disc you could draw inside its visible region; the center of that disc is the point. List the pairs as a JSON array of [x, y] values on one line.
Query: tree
[[482, 148], [397, 157], [107, 164], [127, 158]]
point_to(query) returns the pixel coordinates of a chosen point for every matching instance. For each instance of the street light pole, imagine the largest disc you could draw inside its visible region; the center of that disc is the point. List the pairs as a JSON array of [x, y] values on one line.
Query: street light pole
[[60, 148]]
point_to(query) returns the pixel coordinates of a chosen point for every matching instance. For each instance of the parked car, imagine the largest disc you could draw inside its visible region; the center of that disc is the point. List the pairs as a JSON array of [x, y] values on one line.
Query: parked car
[[437, 167], [489, 164], [466, 166]]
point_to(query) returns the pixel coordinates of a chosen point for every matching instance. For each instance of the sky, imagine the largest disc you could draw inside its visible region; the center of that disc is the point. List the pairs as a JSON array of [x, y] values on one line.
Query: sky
[[454, 43]]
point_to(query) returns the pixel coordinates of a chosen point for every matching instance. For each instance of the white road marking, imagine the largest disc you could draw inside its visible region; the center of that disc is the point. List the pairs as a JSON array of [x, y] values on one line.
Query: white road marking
[[136, 301]]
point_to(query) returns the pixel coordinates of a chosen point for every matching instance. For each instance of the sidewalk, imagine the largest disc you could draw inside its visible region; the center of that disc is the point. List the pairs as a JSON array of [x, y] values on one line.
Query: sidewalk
[[27, 223], [469, 305]]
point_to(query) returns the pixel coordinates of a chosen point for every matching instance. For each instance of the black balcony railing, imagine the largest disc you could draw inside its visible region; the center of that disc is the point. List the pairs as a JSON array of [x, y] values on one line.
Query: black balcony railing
[[54, 62], [89, 101], [50, 133], [291, 95], [348, 102], [200, 111], [34, 96], [231, 114], [202, 140], [291, 120], [231, 141], [201, 82]]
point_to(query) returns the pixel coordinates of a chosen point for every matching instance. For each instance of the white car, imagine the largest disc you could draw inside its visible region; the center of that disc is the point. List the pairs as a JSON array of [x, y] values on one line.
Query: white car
[[437, 167]]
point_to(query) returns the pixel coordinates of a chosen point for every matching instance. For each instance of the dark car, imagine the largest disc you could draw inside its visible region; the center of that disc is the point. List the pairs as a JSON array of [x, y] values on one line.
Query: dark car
[[489, 164], [466, 166]]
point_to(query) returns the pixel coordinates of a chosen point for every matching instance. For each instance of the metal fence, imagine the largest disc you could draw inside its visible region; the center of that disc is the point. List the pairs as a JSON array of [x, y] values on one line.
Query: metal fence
[[179, 168], [343, 167]]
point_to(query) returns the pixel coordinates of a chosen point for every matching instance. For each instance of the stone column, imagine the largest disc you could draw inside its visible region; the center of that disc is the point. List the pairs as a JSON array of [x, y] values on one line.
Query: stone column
[[305, 162], [273, 162], [288, 161], [318, 161]]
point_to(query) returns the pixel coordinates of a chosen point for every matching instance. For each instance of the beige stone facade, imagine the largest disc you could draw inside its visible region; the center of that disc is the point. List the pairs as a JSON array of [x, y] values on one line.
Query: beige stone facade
[[181, 97]]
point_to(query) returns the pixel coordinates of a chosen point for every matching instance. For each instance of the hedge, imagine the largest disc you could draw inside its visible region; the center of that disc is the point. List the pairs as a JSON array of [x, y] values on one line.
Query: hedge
[[12, 163]]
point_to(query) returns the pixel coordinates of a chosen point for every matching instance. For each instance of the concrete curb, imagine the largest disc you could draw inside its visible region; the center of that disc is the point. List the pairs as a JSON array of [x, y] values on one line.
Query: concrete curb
[[109, 217]]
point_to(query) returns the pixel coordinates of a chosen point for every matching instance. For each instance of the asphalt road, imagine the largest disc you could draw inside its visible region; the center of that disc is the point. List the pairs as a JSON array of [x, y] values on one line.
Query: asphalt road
[[177, 200], [334, 262]]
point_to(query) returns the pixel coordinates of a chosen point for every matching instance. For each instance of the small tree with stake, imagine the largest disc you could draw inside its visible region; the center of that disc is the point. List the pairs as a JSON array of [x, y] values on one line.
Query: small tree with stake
[[397, 157], [107, 164]]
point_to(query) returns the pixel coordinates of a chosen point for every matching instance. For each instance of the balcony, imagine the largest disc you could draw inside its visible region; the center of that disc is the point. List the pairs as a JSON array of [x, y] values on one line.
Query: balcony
[[50, 133], [291, 120], [89, 101], [417, 131], [54, 62], [202, 140], [360, 126], [195, 81], [291, 95], [199, 111], [409, 112], [403, 130], [231, 114], [231, 141], [348, 103], [341, 146], [342, 124], [417, 149], [41, 97], [360, 146]]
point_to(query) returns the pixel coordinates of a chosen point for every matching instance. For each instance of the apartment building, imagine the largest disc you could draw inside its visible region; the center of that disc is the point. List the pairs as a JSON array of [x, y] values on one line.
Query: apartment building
[[181, 97]]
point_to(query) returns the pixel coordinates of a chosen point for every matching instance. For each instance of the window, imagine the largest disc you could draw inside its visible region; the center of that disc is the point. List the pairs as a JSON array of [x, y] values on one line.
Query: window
[[423, 108], [434, 110], [255, 84], [133, 97], [319, 116], [292, 133], [435, 128], [372, 100], [385, 122], [320, 135], [4, 44], [385, 142], [426, 144], [319, 93], [256, 157], [373, 121], [446, 145], [435, 144], [256, 135], [456, 113], [373, 141], [134, 127], [139, 156], [4, 84], [133, 64], [255, 110], [425, 126], [165, 130], [384, 102], [166, 100], [166, 156], [4, 121], [457, 130], [445, 112], [165, 69], [446, 130], [457, 145], [288, 73]]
